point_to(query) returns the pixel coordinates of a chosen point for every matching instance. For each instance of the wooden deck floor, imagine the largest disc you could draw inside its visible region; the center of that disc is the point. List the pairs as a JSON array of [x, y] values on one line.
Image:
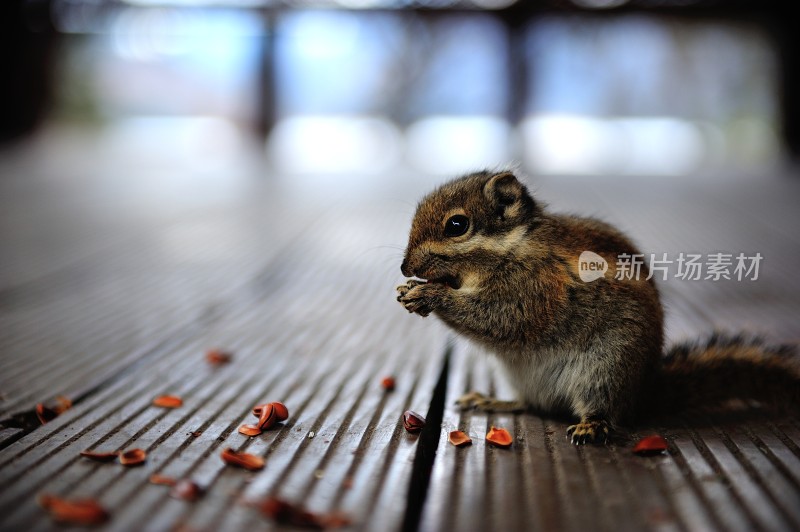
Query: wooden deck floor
[[120, 270]]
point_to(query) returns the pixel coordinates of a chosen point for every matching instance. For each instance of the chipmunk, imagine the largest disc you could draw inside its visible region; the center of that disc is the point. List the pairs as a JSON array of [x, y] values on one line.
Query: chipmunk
[[498, 268]]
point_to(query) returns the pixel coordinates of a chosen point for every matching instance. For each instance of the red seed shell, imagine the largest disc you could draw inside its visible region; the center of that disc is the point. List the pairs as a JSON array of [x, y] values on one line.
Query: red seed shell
[[100, 457], [75, 512], [651, 445], [412, 421], [266, 416], [218, 357], [168, 401], [388, 383], [249, 430], [186, 490], [281, 411], [245, 460], [132, 457], [162, 480], [499, 437], [459, 438]]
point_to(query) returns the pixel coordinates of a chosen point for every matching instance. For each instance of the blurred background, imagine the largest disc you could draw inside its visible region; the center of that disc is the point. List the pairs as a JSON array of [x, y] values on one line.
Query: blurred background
[[367, 87]]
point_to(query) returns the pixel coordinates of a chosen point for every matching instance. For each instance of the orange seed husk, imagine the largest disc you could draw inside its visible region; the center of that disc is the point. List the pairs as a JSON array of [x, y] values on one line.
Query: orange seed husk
[[388, 383], [245, 460], [162, 480], [132, 457], [100, 457], [186, 490], [47, 413], [249, 430], [76, 512], [281, 411], [499, 437], [63, 403], [266, 415], [286, 513], [217, 357], [459, 438], [168, 401]]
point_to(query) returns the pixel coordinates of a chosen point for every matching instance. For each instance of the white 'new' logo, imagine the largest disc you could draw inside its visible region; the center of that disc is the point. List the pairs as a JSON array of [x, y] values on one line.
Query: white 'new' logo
[[591, 266]]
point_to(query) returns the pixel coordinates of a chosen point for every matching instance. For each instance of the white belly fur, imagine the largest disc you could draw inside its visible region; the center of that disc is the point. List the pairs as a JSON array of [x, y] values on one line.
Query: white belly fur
[[547, 380]]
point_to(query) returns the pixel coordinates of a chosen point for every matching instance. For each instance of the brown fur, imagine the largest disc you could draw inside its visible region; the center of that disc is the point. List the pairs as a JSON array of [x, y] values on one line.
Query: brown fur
[[511, 283]]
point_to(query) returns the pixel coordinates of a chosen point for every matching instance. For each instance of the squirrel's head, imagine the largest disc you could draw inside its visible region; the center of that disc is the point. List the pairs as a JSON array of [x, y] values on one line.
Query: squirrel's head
[[471, 221]]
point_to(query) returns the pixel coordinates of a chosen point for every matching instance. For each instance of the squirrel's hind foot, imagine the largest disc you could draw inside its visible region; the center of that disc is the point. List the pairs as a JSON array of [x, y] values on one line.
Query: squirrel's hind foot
[[589, 431], [479, 401]]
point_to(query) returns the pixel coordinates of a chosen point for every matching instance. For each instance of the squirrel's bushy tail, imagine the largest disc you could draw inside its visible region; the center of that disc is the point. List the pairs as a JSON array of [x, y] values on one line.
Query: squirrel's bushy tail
[[709, 374]]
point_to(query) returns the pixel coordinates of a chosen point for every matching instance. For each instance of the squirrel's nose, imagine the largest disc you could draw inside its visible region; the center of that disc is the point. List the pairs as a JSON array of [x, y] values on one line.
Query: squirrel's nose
[[404, 268]]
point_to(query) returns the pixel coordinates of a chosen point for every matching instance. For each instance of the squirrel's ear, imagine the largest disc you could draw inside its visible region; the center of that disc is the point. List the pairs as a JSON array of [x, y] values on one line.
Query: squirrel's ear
[[504, 190]]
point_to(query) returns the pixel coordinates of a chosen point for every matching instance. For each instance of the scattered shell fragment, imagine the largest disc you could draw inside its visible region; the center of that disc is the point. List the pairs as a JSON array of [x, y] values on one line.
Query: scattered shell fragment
[[286, 513], [218, 357], [650, 446], [412, 421], [48, 413], [281, 411], [186, 490], [75, 512], [244, 460], [499, 437], [44, 413], [168, 401], [162, 480], [100, 457], [387, 383], [459, 438], [132, 457], [269, 414], [63, 403], [266, 415], [249, 430]]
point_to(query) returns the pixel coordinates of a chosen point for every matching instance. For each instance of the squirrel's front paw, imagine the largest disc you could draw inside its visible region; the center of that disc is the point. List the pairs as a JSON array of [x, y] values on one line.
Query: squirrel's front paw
[[403, 289], [588, 431], [418, 296]]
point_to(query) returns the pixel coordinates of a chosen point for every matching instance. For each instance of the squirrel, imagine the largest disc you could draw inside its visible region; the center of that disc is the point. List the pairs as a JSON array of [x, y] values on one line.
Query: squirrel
[[492, 263]]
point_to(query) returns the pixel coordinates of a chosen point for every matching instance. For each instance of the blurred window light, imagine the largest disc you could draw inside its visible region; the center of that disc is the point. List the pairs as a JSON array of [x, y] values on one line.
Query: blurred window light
[[599, 4], [334, 145], [202, 143], [369, 4], [201, 3], [335, 62], [170, 61], [684, 95], [631, 65], [455, 144], [462, 67], [580, 145], [493, 4]]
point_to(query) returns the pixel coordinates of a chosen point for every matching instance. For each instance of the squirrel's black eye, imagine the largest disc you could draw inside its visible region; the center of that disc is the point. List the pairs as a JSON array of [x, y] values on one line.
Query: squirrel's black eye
[[456, 225]]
